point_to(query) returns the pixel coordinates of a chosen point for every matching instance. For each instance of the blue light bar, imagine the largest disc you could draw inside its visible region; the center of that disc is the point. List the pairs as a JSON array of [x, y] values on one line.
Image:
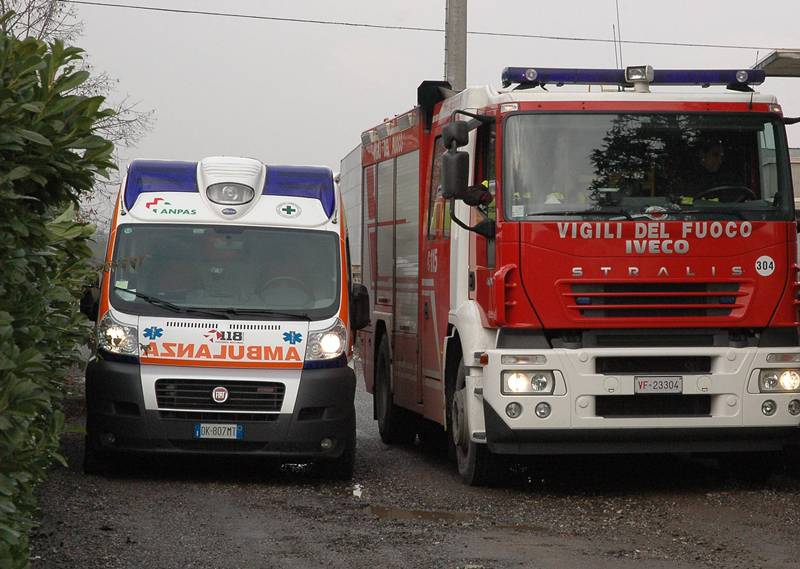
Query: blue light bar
[[557, 76], [302, 182], [708, 77], [145, 176]]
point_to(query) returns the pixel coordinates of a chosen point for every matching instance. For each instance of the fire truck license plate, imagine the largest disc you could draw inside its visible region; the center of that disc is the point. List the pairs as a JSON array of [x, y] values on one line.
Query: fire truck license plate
[[218, 431], [658, 384]]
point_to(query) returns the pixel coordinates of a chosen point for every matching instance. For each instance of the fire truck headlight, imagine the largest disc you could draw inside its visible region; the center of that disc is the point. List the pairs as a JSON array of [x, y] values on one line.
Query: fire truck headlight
[[779, 380], [230, 194], [117, 338], [327, 344], [522, 382]]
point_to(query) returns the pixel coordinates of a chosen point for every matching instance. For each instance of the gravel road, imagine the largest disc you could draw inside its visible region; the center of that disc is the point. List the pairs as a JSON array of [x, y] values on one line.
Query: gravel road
[[406, 507]]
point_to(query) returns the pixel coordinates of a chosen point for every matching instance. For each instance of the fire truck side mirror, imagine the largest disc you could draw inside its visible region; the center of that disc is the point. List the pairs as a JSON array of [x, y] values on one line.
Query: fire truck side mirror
[[456, 131], [359, 307], [455, 174]]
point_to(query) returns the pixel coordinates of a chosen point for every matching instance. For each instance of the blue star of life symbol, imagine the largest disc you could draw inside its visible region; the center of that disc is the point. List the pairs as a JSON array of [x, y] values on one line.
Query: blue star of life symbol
[[292, 337], [153, 332]]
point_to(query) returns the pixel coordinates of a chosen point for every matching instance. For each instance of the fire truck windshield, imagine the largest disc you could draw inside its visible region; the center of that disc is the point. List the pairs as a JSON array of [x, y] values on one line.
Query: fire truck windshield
[[687, 165], [191, 268]]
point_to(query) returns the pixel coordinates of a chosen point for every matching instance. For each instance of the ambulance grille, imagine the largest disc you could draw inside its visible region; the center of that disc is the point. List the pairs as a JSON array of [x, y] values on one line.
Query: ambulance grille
[[248, 396], [655, 299]]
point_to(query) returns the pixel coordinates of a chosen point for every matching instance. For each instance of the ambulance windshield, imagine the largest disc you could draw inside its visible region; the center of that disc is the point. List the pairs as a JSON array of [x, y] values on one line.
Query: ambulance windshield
[[597, 165], [282, 272]]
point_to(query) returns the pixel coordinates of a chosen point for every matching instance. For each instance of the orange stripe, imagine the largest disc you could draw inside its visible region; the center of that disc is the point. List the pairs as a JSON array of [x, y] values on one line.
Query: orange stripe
[[106, 281], [218, 363]]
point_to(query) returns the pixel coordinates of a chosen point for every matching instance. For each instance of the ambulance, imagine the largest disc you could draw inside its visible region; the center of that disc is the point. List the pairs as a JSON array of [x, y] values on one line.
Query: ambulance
[[225, 316]]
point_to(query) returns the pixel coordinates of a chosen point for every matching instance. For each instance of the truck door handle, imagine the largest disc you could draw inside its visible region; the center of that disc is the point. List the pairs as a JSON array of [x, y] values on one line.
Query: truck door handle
[[425, 311]]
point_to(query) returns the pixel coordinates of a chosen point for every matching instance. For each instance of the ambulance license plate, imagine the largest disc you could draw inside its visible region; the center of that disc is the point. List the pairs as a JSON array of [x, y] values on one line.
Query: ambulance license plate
[[658, 384], [218, 431]]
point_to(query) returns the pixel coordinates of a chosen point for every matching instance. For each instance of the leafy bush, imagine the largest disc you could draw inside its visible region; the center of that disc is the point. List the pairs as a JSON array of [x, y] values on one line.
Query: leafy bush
[[49, 158]]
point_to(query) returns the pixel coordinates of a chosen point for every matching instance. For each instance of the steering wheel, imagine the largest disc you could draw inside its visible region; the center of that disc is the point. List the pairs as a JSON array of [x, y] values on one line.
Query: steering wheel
[[741, 193], [291, 282]]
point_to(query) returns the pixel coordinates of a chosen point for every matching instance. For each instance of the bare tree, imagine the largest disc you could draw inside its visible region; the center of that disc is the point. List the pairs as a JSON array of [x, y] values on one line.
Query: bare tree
[[48, 20]]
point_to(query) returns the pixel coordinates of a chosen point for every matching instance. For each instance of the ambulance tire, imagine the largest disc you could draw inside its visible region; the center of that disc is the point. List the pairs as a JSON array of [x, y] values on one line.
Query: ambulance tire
[[341, 468], [395, 424], [95, 461], [476, 463]]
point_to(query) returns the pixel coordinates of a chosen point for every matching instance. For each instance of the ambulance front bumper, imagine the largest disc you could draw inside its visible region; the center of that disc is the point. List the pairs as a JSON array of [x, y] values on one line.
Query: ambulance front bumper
[[119, 421], [718, 409]]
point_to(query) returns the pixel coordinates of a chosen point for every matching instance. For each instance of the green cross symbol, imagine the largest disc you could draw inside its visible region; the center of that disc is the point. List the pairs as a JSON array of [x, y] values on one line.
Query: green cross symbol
[[288, 210]]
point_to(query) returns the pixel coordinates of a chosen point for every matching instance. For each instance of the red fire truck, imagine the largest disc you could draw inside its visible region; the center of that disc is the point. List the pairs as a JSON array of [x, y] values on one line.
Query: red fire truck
[[611, 270]]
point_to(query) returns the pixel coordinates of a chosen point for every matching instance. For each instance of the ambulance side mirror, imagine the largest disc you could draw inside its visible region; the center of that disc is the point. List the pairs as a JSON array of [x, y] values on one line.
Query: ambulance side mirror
[[90, 302], [359, 307], [455, 174]]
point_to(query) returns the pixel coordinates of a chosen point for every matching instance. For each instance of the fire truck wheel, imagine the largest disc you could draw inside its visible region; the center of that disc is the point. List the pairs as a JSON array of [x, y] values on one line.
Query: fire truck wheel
[[394, 423], [476, 465]]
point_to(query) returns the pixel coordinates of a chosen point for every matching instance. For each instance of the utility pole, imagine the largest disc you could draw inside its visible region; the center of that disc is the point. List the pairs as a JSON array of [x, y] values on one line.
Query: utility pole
[[455, 44]]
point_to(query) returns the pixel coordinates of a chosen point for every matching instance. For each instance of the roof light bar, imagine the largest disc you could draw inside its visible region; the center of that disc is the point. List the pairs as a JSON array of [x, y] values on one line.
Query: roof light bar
[[314, 182], [159, 176], [566, 76]]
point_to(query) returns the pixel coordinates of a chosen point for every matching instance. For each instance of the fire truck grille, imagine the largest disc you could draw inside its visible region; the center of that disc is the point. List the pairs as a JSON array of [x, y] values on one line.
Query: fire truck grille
[[655, 299], [666, 405], [197, 394]]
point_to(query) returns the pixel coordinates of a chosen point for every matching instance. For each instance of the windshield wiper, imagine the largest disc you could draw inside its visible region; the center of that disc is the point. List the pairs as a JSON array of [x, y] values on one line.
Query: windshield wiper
[[604, 212], [155, 301], [268, 312], [694, 211]]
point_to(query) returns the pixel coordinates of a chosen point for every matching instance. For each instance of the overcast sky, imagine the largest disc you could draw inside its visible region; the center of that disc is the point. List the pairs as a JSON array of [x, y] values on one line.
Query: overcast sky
[[298, 93]]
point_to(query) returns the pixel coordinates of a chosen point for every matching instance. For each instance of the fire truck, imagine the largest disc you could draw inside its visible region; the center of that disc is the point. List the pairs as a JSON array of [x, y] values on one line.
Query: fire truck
[[583, 261]]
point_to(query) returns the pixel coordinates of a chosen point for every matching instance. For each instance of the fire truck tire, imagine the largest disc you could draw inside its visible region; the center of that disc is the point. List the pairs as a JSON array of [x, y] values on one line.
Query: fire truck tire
[[476, 464], [395, 424], [341, 468]]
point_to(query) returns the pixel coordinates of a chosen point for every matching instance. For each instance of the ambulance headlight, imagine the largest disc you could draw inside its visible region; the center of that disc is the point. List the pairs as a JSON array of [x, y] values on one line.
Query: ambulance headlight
[[116, 337], [522, 382], [230, 194], [327, 344], [779, 380]]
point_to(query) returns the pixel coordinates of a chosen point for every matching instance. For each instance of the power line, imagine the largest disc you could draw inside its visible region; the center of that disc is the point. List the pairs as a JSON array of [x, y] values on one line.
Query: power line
[[411, 28]]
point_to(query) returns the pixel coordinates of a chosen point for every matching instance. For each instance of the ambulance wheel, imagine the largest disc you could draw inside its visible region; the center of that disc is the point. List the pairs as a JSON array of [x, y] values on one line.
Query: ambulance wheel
[[94, 461], [341, 468], [476, 464], [394, 423]]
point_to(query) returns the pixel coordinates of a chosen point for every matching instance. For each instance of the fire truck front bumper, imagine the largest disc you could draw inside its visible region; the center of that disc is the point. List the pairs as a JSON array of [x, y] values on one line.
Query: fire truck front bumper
[[606, 400], [317, 426]]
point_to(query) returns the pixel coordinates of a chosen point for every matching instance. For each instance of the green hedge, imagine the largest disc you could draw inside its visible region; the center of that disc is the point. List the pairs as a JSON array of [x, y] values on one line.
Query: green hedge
[[49, 158]]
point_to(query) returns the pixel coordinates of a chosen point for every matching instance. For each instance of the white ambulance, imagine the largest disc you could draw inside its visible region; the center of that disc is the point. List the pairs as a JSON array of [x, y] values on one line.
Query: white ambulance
[[225, 316]]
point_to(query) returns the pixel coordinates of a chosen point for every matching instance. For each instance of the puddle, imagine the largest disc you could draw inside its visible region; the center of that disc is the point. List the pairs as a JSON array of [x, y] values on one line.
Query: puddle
[[390, 513]]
